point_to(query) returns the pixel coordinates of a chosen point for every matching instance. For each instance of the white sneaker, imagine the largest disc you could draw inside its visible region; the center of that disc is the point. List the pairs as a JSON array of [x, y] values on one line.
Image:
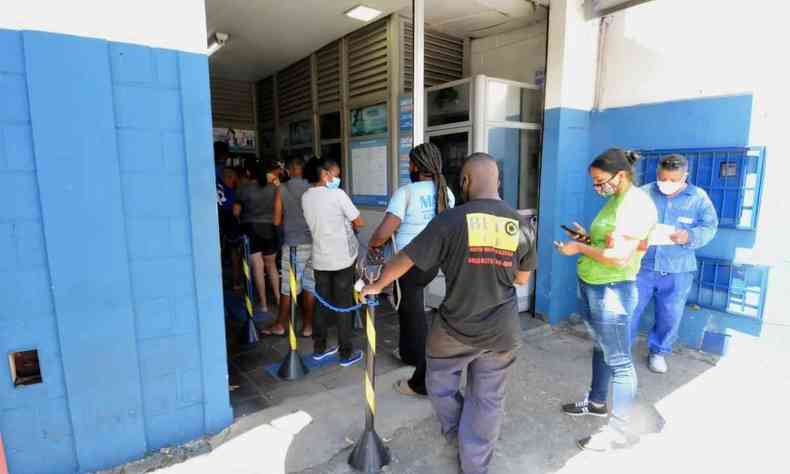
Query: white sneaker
[[657, 363]]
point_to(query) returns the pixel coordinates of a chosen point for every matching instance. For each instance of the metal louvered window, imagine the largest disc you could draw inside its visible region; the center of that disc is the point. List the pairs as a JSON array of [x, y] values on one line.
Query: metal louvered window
[[368, 62], [328, 59], [232, 103], [444, 57], [266, 102], [293, 90]]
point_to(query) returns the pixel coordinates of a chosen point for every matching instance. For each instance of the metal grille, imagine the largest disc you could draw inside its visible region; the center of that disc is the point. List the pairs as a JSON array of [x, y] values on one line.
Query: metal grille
[[293, 89], [368, 62], [232, 103], [328, 59], [444, 57], [732, 177], [266, 101]]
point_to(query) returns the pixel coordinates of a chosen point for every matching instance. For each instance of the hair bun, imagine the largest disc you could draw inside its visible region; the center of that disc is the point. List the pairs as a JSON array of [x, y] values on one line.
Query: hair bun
[[632, 157]]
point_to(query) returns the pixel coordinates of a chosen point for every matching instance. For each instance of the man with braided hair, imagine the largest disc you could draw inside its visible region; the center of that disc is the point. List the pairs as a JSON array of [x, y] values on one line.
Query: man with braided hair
[[484, 251], [411, 208]]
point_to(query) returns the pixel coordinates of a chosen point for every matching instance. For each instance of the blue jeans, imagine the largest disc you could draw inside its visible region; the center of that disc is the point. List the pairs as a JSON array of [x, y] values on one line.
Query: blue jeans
[[671, 291], [607, 311]]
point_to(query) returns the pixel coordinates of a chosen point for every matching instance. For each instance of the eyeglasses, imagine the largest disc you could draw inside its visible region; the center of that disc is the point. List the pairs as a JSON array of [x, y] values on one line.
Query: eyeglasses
[[599, 185]]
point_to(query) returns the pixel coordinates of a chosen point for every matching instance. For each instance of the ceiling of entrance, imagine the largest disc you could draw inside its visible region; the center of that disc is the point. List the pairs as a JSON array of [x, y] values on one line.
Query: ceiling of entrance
[[267, 35]]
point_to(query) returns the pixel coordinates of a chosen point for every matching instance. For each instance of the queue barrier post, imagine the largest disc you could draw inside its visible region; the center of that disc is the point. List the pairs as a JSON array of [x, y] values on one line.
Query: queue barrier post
[[250, 334], [292, 366], [369, 454]]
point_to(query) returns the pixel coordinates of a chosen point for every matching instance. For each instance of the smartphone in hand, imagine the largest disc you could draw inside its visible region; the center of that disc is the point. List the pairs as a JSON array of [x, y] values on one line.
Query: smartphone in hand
[[584, 238]]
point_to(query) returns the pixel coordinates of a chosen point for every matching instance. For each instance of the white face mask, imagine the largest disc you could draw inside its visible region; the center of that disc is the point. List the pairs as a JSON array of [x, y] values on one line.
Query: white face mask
[[670, 187]]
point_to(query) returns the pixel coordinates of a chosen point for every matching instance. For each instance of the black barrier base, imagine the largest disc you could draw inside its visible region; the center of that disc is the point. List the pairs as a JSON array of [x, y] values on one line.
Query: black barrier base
[[292, 367], [250, 334], [369, 454]]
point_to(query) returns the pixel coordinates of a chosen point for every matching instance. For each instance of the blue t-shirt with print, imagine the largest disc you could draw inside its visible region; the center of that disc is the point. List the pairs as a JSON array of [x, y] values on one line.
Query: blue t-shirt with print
[[415, 206], [226, 196]]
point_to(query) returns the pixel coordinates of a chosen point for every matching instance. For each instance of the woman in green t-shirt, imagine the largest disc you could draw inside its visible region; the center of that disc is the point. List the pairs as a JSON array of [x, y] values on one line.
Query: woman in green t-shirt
[[610, 258]]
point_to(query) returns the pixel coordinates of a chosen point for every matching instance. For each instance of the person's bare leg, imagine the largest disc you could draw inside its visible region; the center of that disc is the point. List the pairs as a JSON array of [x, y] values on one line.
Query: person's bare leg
[[283, 314], [270, 262], [308, 311], [259, 278]]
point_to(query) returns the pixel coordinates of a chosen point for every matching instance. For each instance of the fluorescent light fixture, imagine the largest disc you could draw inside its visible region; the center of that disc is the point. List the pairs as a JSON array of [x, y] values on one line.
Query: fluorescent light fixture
[[363, 13], [217, 41]]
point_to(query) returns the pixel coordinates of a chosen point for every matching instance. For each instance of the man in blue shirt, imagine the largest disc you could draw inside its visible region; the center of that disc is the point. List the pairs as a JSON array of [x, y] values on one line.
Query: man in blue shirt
[[668, 267]]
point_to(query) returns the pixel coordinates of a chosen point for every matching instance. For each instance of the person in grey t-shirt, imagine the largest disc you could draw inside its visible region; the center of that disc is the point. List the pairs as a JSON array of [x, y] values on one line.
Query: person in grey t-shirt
[[289, 216], [255, 208]]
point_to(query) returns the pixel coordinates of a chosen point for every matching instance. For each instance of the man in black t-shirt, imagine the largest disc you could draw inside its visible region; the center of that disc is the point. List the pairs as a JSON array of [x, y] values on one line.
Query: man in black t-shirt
[[483, 252]]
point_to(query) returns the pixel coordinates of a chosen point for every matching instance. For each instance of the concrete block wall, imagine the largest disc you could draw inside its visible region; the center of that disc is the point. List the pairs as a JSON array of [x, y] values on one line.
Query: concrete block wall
[[109, 254]]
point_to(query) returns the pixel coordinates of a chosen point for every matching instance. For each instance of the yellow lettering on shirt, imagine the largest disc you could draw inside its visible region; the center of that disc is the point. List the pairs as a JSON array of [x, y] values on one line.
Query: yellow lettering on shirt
[[490, 231]]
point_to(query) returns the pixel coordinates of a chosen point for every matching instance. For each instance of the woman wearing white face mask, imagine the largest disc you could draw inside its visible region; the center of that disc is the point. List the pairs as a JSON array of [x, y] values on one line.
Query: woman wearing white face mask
[[688, 221], [333, 220]]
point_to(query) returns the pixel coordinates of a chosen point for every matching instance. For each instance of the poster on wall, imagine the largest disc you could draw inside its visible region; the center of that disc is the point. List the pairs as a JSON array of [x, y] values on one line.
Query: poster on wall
[[369, 172], [369, 120], [238, 140]]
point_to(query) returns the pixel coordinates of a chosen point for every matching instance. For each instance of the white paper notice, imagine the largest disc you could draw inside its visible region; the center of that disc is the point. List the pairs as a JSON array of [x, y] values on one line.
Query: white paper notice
[[660, 235], [369, 168]]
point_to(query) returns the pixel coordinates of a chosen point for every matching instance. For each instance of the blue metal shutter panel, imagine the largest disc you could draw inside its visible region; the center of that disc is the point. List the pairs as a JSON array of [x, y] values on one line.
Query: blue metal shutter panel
[[732, 177]]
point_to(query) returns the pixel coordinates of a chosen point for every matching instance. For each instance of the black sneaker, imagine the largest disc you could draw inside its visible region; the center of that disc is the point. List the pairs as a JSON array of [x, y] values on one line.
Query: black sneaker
[[584, 407]]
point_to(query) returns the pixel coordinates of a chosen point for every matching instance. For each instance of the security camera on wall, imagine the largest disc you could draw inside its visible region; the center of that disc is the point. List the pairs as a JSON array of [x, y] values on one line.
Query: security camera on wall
[[221, 38], [217, 41]]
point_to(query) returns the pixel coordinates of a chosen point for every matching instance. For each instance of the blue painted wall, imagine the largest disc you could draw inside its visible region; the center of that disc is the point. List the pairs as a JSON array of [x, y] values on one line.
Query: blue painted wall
[[573, 137], [563, 181], [109, 260]]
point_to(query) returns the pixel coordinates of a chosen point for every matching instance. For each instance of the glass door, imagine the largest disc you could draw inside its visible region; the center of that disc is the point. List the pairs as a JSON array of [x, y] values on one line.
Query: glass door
[[454, 146]]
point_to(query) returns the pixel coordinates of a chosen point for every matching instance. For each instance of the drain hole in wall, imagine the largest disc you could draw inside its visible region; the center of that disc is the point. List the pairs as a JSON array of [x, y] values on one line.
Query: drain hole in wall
[[25, 369]]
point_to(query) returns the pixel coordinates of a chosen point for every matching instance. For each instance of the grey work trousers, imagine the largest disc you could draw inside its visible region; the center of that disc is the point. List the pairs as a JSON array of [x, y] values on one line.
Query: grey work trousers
[[475, 417]]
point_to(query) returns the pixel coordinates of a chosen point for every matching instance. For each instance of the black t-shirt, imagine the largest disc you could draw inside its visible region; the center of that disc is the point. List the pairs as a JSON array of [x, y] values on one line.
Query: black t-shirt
[[480, 246]]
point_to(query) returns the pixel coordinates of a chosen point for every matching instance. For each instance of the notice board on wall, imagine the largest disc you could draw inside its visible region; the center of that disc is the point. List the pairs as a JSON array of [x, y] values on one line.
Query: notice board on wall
[[369, 172]]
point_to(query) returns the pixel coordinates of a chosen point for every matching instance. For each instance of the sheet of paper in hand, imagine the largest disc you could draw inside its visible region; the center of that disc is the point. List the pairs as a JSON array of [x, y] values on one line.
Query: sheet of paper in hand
[[660, 235]]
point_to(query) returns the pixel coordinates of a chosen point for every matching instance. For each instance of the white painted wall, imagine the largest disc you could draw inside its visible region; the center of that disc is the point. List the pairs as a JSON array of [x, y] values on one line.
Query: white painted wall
[[516, 55], [676, 49], [172, 24], [572, 56]]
